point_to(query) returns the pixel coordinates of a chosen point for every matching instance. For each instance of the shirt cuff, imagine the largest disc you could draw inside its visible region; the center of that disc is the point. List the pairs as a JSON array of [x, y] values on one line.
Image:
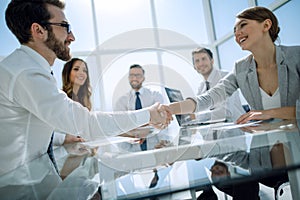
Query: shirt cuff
[[58, 139], [142, 116]]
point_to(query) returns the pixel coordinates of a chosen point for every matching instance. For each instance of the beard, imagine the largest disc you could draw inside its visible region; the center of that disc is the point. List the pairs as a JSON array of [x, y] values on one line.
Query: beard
[[59, 48], [135, 86]]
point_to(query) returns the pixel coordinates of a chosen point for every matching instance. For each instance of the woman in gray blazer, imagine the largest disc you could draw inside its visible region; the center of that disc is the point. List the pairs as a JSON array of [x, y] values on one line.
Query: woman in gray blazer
[[269, 78]]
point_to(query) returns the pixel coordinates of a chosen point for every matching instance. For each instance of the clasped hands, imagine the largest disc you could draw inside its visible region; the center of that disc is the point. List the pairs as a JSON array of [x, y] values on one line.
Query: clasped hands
[[160, 116]]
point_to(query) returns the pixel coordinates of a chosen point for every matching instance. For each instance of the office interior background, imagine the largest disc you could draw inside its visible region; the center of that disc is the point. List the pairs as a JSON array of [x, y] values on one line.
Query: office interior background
[[111, 35]]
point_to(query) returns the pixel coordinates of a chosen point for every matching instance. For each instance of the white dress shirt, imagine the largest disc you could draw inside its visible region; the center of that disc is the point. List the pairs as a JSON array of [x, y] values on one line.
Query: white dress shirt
[[148, 97], [231, 109], [58, 138], [32, 107]]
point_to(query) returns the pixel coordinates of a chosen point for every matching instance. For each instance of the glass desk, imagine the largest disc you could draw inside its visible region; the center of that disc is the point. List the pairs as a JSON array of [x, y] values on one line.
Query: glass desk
[[181, 159], [176, 161]]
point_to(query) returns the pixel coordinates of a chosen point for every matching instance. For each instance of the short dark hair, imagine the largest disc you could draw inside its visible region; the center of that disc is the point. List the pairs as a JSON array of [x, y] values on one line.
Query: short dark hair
[[202, 50], [137, 66], [260, 14], [219, 163], [21, 14]]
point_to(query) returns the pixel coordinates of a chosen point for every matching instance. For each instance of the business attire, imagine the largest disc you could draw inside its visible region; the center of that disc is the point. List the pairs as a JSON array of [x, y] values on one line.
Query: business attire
[[58, 138], [147, 96], [231, 109], [298, 112], [244, 77], [31, 107], [135, 100]]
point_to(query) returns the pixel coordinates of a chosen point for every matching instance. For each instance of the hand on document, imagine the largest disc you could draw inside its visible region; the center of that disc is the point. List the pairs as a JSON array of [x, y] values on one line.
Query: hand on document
[[160, 116]]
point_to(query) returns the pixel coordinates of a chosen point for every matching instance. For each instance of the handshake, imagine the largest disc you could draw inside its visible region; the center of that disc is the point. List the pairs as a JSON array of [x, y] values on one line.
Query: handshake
[[160, 115]]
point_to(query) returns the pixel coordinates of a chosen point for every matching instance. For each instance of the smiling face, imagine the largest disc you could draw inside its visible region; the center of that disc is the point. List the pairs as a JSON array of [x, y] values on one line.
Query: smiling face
[[58, 38], [203, 64], [219, 171], [136, 78], [78, 74], [249, 33]]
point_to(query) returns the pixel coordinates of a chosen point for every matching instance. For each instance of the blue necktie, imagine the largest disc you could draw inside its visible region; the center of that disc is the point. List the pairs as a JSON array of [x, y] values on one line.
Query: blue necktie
[[207, 85], [138, 105], [50, 148], [51, 153]]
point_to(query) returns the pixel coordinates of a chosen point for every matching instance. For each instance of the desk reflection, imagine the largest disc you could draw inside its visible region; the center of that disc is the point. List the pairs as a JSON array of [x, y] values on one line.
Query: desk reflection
[[185, 161], [176, 160]]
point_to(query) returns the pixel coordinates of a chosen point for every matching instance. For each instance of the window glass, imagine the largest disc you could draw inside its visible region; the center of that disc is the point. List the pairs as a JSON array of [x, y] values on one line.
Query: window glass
[[79, 15], [224, 15], [8, 41], [229, 52], [183, 17], [115, 17], [288, 16], [112, 80], [264, 3], [179, 72]]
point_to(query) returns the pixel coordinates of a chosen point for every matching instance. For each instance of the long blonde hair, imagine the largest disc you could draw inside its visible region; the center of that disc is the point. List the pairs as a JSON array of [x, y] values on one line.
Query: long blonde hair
[[84, 92]]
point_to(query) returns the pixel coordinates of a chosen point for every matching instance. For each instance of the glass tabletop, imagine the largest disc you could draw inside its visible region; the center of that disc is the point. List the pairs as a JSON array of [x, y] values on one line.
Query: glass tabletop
[[178, 159]]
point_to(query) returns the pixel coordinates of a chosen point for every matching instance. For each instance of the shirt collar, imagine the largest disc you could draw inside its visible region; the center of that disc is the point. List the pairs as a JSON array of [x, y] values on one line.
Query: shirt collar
[[141, 91], [212, 75], [37, 57]]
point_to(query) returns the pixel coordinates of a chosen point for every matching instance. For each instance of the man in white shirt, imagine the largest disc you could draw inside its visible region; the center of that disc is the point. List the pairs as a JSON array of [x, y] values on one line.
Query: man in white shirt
[[147, 96], [203, 63], [138, 97], [32, 107]]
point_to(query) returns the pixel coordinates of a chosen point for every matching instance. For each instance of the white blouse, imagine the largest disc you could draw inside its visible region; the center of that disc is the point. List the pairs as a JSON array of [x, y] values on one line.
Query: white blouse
[[270, 102]]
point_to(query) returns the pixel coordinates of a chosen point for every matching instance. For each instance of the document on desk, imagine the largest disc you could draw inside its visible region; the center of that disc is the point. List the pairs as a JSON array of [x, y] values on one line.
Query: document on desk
[[228, 125]]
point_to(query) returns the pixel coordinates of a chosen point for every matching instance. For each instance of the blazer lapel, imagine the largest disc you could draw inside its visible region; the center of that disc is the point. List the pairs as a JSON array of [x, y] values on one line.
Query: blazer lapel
[[254, 86], [282, 77]]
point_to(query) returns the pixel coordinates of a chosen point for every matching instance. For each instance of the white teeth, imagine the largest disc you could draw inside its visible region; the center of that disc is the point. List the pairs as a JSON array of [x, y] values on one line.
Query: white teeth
[[242, 40]]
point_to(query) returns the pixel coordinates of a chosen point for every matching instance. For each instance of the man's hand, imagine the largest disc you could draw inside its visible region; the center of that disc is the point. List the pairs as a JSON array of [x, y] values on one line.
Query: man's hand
[[72, 138], [160, 116]]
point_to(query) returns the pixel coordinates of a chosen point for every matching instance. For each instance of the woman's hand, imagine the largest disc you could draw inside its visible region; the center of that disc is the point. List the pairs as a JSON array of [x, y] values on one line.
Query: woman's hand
[[254, 115], [288, 112]]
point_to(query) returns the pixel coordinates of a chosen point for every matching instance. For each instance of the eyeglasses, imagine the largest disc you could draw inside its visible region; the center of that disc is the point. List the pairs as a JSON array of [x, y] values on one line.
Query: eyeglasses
[[136, 75], [65, 25]]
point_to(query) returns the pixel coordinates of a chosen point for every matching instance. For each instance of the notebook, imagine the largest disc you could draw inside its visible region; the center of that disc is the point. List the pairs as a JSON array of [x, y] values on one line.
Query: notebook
[[184, 120]]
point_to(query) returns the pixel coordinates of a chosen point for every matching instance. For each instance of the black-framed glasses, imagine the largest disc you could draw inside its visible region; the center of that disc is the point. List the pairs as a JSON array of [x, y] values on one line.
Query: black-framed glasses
[[65, 25], [136, 75]]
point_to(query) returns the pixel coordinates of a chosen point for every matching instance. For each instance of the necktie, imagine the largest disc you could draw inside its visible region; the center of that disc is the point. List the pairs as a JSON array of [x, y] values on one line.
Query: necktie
[[50, 148], [207, 85], [138, 104], [51, 153]]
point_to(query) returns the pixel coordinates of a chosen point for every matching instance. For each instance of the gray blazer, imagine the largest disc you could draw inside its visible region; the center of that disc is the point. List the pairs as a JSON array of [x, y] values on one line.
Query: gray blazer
[[244, 76]]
